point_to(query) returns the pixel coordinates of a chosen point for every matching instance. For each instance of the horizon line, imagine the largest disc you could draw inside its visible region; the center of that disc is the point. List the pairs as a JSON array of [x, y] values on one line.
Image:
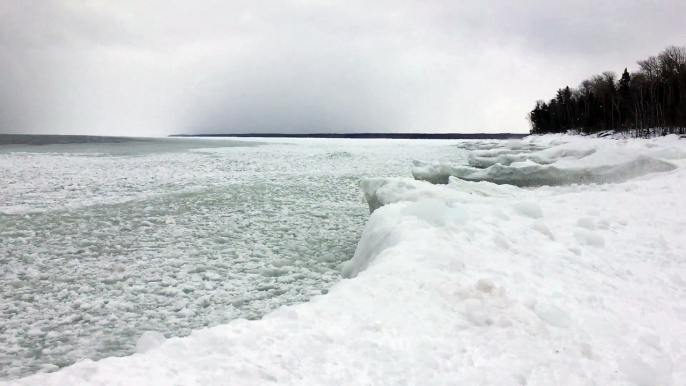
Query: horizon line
[[364, 135]]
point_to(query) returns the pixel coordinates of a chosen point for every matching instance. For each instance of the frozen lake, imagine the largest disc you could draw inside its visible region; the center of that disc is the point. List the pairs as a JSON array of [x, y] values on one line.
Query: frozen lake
[[103, 240], [551, 260]]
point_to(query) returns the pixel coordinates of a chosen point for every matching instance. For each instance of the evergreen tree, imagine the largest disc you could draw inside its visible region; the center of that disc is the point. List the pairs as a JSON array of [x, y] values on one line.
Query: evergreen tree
[[625, 99], [652, 100]]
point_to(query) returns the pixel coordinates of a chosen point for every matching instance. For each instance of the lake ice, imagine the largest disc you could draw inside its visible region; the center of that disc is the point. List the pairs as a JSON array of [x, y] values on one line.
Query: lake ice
[[100, 242], [464, 280]]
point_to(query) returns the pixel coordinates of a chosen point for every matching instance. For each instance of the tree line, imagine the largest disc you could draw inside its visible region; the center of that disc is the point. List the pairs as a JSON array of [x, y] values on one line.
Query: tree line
[[650, 101]]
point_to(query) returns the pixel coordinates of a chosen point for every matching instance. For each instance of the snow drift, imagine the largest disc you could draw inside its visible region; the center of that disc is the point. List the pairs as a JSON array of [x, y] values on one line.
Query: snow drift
[[568, 161], [438, 173], [533, 174]]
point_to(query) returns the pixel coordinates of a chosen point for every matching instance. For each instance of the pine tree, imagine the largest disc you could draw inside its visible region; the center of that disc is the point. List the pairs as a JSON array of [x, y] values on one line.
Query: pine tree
[[650, 101], [625, 99]]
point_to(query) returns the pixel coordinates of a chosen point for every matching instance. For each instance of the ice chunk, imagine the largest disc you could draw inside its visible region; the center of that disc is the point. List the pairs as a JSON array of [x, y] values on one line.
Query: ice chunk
[[592, 239], [484, 189], [587, 223], [379, 234], [500, 241], [650, 339], [672, 153], [553, 315], [676, 279], [529, 209], [485, 159], [485, 285], [638, 372], [540, 227], [477, 313], [381, 191], [551, 175], [438, 173], [150, 340], [431, 210], [514, 145], [501, 215], [382, 229], [524, 164]]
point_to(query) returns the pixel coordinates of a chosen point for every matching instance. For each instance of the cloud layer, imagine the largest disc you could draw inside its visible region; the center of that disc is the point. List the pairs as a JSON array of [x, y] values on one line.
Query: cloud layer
[[161, 67]]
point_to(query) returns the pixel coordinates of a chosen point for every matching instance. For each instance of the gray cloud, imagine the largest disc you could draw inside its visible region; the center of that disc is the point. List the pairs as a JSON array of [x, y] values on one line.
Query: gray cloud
[[160, 67]]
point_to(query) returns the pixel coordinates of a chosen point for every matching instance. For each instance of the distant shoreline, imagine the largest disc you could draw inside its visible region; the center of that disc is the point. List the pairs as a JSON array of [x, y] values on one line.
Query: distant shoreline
[[366, 135]]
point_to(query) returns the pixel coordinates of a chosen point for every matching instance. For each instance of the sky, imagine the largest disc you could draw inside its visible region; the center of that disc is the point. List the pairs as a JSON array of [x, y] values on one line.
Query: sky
[[160, 67]]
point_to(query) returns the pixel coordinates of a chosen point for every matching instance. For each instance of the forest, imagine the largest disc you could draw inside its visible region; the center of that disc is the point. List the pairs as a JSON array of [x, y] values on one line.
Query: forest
[[650, 101]]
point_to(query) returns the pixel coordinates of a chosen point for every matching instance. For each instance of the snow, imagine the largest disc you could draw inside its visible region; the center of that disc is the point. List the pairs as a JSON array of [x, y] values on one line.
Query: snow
[[437, 173], [539, 175], [469, 282], [553, 315], [586, 222], [486, 158], [638, 372], [528, 209], [551, 160], [589, 238], [150, 340]]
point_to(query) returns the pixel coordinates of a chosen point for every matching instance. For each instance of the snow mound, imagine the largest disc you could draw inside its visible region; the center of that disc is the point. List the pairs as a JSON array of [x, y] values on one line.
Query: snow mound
[[670, 153], [379, 233], [437, 173], [543, 157], [559, 160], [378, 192], [540, 175], [382, 191], [378, 236]]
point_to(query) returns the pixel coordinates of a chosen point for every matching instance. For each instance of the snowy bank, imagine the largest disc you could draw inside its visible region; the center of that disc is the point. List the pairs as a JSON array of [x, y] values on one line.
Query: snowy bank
[[560, 160], [438, 173], [468, 283]]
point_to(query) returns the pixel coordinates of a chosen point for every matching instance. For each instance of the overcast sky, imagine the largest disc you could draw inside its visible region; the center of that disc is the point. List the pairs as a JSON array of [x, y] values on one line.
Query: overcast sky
[[158, 67]]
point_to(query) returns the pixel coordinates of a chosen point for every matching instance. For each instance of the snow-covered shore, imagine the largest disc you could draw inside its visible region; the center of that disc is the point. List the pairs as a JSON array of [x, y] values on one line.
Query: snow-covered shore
[[473, 283]]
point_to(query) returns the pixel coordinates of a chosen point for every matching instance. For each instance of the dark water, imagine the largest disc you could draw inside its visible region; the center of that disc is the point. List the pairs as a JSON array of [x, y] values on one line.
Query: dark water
[[114, 146]]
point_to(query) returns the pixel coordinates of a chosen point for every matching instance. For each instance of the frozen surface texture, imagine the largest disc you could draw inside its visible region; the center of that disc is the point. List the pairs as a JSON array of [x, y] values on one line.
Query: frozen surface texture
[[438, 173], [101, 242], [553, 160], [469, 283]]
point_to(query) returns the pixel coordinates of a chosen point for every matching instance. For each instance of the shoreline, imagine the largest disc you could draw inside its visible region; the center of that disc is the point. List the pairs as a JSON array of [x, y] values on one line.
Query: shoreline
[[468, 282], [364, 135]]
